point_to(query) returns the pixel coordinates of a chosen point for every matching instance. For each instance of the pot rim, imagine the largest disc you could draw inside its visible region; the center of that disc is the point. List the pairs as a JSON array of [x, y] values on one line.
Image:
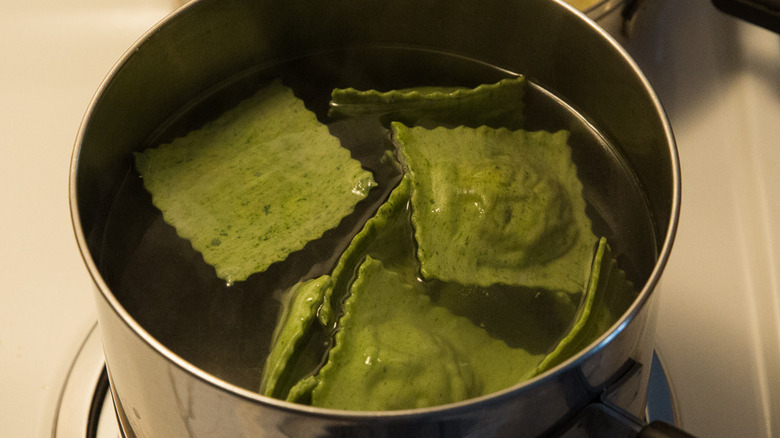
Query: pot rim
[[446, 409]]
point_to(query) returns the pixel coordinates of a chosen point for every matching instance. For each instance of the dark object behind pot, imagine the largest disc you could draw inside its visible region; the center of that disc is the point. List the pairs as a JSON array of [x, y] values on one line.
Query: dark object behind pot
[[208, 41], [764, 13]]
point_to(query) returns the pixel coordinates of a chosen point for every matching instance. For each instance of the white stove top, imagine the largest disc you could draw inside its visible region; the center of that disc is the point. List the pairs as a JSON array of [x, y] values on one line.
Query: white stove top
[[53, 56], [719, 321]]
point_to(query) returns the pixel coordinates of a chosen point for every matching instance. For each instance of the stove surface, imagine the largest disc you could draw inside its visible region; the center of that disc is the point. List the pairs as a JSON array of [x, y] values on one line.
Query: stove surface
[[719, 319], [54, 56]]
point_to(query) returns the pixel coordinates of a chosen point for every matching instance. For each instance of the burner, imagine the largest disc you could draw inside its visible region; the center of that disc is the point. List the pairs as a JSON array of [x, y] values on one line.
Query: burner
[[660, 397], [86, 405]]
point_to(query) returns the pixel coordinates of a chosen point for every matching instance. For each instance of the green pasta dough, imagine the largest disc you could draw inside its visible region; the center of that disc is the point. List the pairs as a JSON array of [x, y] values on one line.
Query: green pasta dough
[[497, 105], [478, 272], [396, 350], [256, 184], [497, 206], [305, 298], [609, 294]]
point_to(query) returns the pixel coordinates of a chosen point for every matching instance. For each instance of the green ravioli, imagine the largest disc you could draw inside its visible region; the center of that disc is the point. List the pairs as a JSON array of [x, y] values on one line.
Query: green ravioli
[[386, 236], [254, 185], [396, 350], [499, 104], [300, 313], [497, 206], [608, 296], [485, 235]]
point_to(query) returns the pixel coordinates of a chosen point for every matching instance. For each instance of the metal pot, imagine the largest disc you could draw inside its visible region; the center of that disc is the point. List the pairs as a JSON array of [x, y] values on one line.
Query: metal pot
[[158, 393]]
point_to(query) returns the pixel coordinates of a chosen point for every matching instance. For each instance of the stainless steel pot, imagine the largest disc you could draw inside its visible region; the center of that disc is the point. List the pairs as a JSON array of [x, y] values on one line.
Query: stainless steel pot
[[159, 394]]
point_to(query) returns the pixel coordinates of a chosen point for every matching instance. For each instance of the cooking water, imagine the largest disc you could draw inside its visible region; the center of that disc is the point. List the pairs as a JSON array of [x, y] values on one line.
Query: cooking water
[[226, 329]]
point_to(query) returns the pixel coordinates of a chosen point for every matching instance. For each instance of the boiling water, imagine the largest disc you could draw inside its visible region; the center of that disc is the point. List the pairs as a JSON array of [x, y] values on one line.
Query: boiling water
[[226, 330]]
